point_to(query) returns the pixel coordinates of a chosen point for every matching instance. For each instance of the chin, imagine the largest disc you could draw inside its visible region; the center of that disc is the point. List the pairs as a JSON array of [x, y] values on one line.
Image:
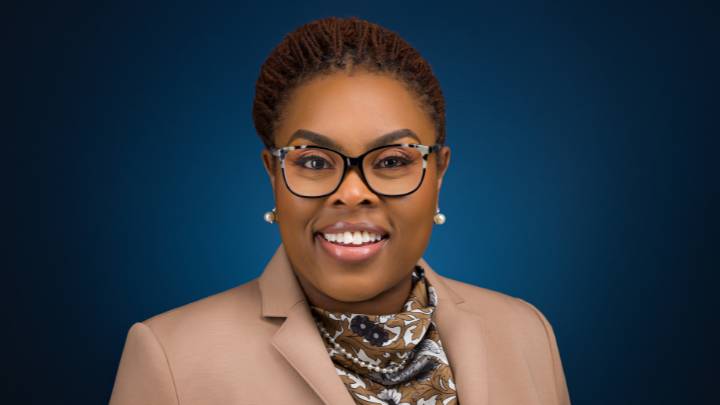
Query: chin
[[355, 296], [352, 291]]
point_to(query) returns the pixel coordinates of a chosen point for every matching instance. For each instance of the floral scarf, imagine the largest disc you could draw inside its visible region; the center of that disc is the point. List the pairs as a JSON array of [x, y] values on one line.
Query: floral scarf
[[394, 359]]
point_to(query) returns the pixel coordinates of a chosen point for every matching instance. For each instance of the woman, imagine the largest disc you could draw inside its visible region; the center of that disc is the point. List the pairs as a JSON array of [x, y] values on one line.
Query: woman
[[347, 311]]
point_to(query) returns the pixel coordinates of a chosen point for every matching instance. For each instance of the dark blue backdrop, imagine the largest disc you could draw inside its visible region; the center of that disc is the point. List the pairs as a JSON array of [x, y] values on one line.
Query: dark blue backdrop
[[580, 179]]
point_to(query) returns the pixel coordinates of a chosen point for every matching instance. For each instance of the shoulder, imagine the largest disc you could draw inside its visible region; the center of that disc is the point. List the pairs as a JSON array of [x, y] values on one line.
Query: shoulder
[[513, 325], [500, 310], [228, 312]]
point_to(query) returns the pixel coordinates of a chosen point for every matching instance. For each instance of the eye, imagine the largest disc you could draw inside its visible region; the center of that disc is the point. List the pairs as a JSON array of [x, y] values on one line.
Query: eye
[[313, 162], [391, 162]]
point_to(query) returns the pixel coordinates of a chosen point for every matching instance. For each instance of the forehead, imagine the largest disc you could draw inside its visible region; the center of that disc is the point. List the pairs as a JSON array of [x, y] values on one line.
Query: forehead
[[354, 110]]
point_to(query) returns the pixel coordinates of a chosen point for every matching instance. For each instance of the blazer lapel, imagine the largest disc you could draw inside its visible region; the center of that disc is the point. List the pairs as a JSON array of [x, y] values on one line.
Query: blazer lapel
[[462, 337], [298, 339], [299, 342]]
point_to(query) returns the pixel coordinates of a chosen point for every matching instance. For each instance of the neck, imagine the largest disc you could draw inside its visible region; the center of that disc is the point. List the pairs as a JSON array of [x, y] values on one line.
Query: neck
[[390, 301]]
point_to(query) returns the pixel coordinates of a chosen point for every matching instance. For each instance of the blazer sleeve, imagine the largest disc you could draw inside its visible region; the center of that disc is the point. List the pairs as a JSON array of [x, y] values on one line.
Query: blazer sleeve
[[561, 389], [144, 375]]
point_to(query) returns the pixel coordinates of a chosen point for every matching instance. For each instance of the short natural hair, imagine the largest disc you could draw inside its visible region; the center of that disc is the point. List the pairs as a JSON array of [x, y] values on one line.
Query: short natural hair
[[331, 44]]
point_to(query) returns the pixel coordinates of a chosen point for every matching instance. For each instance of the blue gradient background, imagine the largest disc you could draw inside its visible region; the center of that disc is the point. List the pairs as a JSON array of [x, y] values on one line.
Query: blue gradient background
[[580, 181]]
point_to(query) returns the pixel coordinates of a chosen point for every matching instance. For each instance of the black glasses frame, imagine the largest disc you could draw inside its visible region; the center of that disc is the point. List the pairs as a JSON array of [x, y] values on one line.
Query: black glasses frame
[[349, 162]]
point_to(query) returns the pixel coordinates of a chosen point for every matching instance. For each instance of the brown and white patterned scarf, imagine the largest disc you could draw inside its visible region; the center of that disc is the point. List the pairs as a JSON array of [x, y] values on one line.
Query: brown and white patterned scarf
[[385, 341]]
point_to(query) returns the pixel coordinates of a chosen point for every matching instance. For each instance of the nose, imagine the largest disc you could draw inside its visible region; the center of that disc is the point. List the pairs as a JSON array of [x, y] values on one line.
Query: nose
[[353, 191]]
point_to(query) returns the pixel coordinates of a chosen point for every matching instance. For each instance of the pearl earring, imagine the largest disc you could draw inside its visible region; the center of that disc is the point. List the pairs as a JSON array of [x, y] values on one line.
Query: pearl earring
[[439, 218], [271, 216]]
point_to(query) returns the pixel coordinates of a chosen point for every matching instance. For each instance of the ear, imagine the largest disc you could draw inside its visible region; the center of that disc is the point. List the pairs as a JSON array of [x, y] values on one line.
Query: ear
[[443, 156], [269, 164]]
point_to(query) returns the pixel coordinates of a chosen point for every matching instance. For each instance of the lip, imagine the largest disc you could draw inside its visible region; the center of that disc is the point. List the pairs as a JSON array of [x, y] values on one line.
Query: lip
[[350, 253], [342, 226]]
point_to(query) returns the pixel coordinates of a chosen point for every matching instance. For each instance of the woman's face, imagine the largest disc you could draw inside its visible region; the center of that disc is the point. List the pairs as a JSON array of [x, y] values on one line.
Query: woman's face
[[353, 112]]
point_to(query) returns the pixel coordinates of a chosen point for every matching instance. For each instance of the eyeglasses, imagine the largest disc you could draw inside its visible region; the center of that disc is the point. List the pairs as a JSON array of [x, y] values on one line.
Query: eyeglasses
[[389, 170]]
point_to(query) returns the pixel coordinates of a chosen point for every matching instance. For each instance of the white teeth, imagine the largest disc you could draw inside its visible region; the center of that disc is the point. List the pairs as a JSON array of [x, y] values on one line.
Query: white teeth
[[354, 238]]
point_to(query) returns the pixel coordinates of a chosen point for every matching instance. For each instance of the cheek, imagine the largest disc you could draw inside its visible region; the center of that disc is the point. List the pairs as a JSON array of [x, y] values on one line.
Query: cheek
[[294, 216], [413, 218]]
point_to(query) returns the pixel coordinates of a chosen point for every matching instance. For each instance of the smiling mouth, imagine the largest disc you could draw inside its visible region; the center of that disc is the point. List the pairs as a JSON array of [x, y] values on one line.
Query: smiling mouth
[[352, 247], [350, 239]]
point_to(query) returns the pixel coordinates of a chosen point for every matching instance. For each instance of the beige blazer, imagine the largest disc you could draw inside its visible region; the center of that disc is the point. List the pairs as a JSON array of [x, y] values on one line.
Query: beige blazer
[[257, 343]]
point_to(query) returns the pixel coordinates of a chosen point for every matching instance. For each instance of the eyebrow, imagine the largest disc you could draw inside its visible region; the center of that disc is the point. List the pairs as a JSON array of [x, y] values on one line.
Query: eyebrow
[[323, 140]]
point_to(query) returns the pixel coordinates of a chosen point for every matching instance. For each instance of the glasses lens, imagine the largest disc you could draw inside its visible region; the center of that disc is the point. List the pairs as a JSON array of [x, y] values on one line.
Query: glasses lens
[[394, 170], [312, 172]]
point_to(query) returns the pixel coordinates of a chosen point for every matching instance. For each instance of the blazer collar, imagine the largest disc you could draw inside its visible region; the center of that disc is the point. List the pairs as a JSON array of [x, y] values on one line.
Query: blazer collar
[[279, 287], [462, 335], [298, 340]]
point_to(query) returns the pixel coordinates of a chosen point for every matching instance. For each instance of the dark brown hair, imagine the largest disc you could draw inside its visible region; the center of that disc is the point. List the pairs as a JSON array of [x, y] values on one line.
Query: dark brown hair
[[331, 44]]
